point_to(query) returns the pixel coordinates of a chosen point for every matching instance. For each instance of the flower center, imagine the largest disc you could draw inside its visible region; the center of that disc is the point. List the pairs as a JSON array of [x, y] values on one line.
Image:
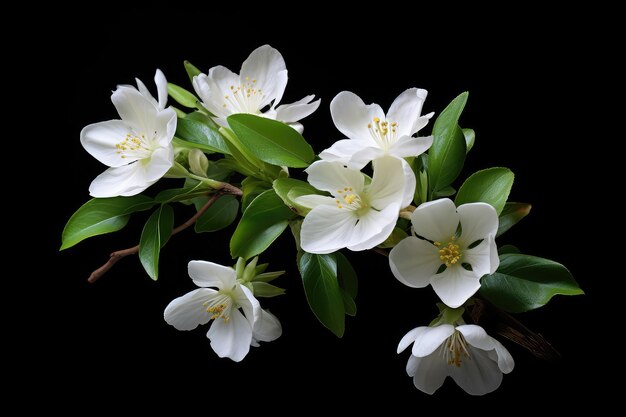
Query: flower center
[[455, 349], [450, 254], [219, 306], [134, 146], [347, 199], [244, 98], [383, 132]]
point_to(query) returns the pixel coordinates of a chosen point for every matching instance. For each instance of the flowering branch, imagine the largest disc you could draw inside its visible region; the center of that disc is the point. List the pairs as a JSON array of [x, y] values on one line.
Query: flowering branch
[[117, 255]]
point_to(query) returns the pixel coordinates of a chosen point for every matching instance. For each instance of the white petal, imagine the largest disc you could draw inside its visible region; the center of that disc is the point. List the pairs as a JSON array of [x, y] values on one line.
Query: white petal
[[455, 285], [422, 122], [135, 109], [333, 176], [146, 93], [314, 200], [165, 127], [326, 229], [505, 360], [436, 220], [188, 311], [248, 303], [430, 373], [99, 139], [477, 336], [213, 87], [412, 365], [408, 338], [297, 127], [478, 375], [387, 187], [406, 109], [267, 327], [428, 340], [231, 339], [161, 84], [351, 116], [290, 113], [478, 220], [159, 163], [126, 180], [274, 92], [407, 146], [374, 227], [479, 257], [414, 262], [362, 157], [266, 65], [343, 149], [209, 274], [409, 184]]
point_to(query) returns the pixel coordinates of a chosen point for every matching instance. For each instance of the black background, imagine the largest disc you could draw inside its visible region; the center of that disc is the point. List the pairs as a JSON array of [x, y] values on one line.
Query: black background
[[527, 88]]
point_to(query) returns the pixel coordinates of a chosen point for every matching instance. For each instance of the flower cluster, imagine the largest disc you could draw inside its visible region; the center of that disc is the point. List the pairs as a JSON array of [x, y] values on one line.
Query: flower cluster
[[384, 187]]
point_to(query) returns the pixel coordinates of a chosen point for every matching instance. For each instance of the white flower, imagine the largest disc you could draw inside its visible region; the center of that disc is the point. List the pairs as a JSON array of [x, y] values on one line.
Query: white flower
[[372, 134], [266, 328], [231, 331], [138, 148], [161, 83], [415, 262], [359, 215], [261, 83], [474, 360]]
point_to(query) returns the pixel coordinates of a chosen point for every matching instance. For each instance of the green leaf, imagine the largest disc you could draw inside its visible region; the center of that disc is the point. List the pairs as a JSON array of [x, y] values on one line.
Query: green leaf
[[447, 154], [262, 222], [289, 189], [180, 194], [181, 95], [267, 276], [511, 214], [444, 192], [101, 215], [524, 282], [192, 70], [491, 185], [155, 234], [200, 135], [271, 141], [470, 137], [349, 305], [507, 249], [251, 189], [348, 279], [263, 289], [319, 276], [394, 238], [220, 215]]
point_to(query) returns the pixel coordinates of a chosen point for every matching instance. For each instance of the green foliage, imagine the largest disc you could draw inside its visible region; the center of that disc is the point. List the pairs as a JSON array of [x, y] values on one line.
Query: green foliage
[[289, 189], [220, 215], [156, 232], [348, 282], [271, 141], [192, 70], [470, 137], [181, 96], [511, 214], [102, 215], [197, 134], [524, 282], [491, 186]]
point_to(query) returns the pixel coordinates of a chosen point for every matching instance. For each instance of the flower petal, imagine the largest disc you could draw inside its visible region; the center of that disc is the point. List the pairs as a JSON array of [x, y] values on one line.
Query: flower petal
[[248, 303], [478, 220], [436, 220], [165, 127], [99, 139], [455, 285], [409, 184], [407, 146], [422, 122], [479, 257], [209, 274], [135, 109], [267, 66], [387, 187], [343, 150], [409, 338], [146, 93], [267, 327], [126, 180], [428, 340], [290, 113], [314, 200], [352, 116], [212, 89], [477, 376], [406, 109], [430, 373], [188, 311], [333, 176], [161, 84], [477, 336], [505, 360], [231, 339], [374, 227], [414, 261], [160, 162], [326, 229]]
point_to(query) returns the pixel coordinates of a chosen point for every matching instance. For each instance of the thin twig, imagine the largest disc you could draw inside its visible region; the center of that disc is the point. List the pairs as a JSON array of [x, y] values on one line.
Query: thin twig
[[380, 251], [117, 255]]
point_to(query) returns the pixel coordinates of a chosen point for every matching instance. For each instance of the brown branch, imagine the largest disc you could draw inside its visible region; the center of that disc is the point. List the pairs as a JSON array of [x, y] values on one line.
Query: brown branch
[[380, 251], [117, 255]]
